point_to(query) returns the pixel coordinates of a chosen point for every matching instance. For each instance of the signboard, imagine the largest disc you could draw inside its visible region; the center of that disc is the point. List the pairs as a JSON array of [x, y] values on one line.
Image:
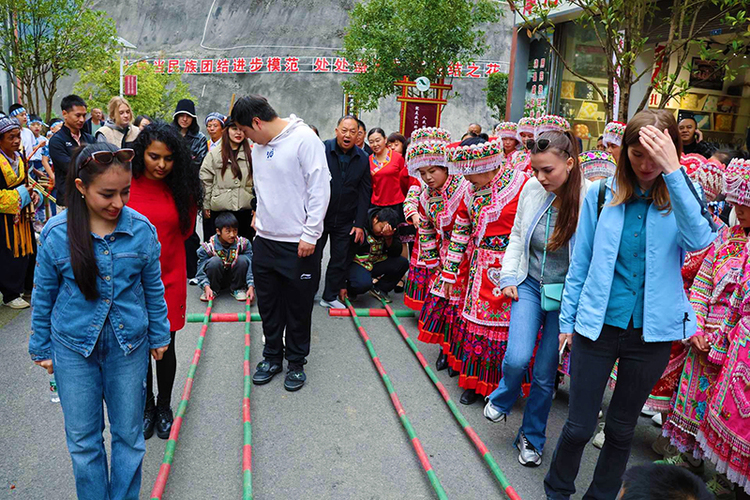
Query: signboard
[[130, 85]]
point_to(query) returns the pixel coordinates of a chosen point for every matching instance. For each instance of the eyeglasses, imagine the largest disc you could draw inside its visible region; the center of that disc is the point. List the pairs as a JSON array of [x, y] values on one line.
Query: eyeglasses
[[106, 157], [541, 145]]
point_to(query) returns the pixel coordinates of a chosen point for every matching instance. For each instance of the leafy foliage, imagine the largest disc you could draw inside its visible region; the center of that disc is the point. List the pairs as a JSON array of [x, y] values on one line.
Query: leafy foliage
[[158, 93], [45, 40], [497, 94], [412, 38]]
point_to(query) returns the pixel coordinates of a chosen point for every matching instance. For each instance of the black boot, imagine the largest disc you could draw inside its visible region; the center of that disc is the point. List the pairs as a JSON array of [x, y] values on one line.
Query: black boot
[[164, 422], [452, 373], [442, 362], [469, 397], [149, 419]]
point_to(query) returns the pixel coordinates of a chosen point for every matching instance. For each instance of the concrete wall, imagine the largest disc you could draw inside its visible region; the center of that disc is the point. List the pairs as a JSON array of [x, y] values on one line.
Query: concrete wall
[[281, 27]]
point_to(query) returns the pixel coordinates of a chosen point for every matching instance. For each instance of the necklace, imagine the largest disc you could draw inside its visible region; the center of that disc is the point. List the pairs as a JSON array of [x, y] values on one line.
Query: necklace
[[379, 166]]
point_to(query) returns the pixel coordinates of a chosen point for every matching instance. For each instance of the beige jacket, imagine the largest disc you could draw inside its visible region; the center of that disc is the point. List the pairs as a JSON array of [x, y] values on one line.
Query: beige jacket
[[108, 133], [225, 192]]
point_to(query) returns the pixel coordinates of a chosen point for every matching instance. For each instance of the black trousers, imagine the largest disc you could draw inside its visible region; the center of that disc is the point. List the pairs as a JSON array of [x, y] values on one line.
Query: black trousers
[[233, 277], [389, 271], [640, 366], [191, 256], [166, 368], [14, 271], [285, 286], [338, 266]]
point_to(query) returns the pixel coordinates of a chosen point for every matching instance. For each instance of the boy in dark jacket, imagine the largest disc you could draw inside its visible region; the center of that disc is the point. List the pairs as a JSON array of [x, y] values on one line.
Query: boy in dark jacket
[[226, 260], [379, 256]]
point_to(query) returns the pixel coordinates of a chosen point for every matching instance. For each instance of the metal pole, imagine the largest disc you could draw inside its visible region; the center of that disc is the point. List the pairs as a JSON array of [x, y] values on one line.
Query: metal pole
[[121, 71]]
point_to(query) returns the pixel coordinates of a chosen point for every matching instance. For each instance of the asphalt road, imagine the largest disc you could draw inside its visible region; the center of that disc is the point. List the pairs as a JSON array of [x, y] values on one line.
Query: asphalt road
[[338, 437]]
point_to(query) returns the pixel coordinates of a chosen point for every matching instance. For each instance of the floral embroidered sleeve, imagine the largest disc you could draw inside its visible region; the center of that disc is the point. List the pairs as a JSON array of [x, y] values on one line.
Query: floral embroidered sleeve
[[701, 290], [411, 203], [734, 312], [428, 245], [459, 242]]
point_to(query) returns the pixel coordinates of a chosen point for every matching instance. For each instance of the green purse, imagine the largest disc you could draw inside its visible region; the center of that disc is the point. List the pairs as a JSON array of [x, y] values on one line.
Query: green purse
[[551, 292]]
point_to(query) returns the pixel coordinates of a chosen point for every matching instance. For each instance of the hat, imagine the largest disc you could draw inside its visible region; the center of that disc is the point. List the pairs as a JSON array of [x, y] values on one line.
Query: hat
[[425, 134], [597, 163], [613, 134], [8, 124], [185, 106], [16, 109], [36, 119], [425, 154], [737, 182], [692, 162], [550, 123], [216, 116], [527, 125], [710, 176], [474, 159], [507, 130]]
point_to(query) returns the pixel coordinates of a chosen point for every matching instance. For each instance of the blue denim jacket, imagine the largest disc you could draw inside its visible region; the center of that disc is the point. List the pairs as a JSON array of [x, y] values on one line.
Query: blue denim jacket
[[667, 313], [131, 293]]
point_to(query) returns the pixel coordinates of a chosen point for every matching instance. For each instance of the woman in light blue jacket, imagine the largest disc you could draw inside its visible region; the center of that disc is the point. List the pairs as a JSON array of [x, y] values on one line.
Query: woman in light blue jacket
[[624, 298]]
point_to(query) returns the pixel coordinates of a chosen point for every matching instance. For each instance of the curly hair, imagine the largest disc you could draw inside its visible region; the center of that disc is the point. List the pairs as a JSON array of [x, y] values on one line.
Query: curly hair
[[183, 180]]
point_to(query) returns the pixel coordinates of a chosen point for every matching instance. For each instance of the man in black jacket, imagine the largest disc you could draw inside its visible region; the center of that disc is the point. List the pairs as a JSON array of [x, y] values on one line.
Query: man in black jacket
[[67, 139], [351, 190]]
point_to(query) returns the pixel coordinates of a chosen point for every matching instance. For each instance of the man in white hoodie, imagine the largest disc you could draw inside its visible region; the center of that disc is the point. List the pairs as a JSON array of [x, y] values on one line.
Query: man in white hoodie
[[292, 187]]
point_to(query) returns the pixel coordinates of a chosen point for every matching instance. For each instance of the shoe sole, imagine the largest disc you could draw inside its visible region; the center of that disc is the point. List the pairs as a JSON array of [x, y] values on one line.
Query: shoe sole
[[294, 389], [499, 419], [265, 381], [164, 436], [528, 464]]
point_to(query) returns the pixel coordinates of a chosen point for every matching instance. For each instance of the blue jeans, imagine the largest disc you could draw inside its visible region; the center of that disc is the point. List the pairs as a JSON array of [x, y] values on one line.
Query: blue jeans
[[526, 317], [110, 375]]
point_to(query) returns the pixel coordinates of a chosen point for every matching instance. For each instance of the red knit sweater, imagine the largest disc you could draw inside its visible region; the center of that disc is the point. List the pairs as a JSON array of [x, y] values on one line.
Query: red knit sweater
[[390, 180], [154, 200]]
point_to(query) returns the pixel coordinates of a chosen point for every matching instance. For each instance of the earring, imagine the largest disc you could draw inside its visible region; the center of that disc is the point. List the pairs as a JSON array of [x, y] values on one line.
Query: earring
[[83, 197]]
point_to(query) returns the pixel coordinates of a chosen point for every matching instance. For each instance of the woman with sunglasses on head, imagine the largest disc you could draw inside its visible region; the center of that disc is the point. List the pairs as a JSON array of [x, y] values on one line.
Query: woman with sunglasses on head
[[624, 297], [534, 269], [98, 311], [164, 191]]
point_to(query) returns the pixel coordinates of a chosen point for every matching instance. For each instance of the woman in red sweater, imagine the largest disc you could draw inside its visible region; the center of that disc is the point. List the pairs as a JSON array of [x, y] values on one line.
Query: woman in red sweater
[[390, 179], [167, 190]]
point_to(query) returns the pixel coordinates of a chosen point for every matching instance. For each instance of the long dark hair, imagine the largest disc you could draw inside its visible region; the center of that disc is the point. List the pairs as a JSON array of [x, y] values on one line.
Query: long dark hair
[[564, 146], [183, 181], [229, 155], [82, 258]]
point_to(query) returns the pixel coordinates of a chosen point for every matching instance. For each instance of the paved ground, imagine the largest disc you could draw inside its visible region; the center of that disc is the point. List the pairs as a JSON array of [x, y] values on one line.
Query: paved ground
[[337, 438]]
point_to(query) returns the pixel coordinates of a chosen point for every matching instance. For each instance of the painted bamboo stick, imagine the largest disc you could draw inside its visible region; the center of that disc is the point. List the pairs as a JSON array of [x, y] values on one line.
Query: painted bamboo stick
[[247, 460]]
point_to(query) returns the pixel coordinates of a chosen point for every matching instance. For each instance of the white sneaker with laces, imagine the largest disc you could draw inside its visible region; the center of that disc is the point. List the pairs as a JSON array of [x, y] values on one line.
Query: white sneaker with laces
[[240, 295], [528, 456], [333, 304], [18, 303], [492, 414]]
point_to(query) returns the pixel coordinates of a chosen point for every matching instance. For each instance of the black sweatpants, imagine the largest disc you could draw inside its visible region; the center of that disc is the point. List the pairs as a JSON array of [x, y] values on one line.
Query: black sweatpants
[[166, 369], [285, 286], [191, 255], [233, 277], [389, 271], [338, 266]]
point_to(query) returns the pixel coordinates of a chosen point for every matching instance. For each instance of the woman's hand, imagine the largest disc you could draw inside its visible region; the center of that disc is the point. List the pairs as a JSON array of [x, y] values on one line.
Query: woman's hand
[[699, 342], [660, 147], [565, 338], [511, 292], [159, 352], [46, 364]]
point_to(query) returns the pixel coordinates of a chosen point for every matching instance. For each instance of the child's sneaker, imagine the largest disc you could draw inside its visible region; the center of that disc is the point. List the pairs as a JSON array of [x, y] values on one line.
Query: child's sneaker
[[685, 461], [721, 487], [240, 295]]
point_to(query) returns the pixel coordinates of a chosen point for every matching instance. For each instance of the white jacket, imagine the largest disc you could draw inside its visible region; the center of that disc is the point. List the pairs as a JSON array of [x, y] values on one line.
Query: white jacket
[[532, 204]]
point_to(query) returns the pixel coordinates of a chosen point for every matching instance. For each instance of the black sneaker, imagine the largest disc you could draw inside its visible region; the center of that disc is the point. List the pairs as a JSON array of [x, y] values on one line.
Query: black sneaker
[[380, 295], [149, 420], [265, 371], [295, 379], [164, 422]]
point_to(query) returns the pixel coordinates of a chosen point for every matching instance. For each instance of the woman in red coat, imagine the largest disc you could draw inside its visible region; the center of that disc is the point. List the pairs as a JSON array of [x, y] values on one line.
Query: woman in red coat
[[166, 189]]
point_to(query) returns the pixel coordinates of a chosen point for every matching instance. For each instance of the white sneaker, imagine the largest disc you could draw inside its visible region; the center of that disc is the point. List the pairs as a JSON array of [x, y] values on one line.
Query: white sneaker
[[647, 412], [657, 420], [193, 281], [491, 413], [333, 304], [18, 303], [598, 441], [528, 456], [240, 295]]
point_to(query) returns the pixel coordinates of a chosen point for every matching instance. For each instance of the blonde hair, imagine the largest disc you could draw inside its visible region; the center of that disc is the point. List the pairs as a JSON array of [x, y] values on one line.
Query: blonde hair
[[114, 106], [625, 178]]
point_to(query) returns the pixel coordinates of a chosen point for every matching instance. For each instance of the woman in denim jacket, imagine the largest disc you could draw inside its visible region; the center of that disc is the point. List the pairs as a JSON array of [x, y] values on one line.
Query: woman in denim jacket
[[98, 309], [624, 297]]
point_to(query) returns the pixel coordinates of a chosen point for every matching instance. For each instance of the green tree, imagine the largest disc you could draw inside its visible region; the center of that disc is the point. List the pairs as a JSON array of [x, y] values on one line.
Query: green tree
[[412, 38], [625, 28], [42, 41], [497, 94], [158, 93]]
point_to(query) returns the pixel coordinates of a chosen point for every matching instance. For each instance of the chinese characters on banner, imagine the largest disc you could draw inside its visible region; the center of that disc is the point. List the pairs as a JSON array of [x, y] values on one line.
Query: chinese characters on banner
[[419, 115], [275, 64], [537, 79]]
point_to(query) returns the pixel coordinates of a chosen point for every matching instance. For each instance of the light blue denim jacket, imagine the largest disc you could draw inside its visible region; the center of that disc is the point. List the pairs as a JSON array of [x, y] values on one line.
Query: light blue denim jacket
[[667, 312], [131, 293]]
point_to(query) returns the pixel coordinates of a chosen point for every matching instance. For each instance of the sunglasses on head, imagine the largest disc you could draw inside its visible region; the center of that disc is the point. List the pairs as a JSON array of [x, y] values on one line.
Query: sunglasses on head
[[106, 157], [541, 145]]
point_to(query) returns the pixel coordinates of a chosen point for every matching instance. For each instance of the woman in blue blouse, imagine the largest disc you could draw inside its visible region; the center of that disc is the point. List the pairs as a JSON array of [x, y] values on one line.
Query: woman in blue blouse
[[624, 298]]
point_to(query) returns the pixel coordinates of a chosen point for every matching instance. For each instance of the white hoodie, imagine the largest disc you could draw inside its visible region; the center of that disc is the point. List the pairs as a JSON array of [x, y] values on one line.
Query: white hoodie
[[292, 185]]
